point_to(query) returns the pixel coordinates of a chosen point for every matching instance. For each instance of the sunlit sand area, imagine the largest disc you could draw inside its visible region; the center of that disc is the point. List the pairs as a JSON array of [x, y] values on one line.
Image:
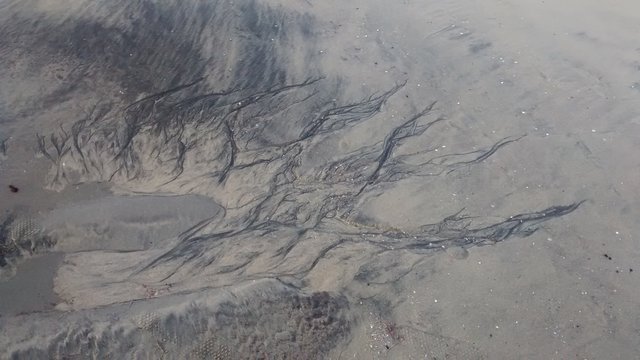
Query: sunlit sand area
[[302, 179]]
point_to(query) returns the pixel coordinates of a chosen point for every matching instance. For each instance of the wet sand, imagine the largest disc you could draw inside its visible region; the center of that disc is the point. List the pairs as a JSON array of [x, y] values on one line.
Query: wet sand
[[31, 289], [449, 179]]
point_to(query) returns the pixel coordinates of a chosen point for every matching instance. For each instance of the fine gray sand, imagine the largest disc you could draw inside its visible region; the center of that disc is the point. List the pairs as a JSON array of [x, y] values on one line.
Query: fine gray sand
[[301, 179]]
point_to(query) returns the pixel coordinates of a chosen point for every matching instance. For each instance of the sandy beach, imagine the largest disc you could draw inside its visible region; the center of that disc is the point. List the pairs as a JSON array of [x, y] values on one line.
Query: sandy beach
[[295, 179]]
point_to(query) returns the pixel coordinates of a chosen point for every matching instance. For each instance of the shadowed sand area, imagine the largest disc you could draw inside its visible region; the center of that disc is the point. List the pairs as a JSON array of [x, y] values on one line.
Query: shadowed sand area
[[293, 179]]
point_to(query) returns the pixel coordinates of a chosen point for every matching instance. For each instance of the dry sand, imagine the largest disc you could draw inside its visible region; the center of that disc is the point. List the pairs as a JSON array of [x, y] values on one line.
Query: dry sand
[[295, 179]]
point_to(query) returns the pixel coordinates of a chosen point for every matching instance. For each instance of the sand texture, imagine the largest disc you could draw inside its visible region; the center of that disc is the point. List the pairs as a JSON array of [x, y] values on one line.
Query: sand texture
[[301, 179]]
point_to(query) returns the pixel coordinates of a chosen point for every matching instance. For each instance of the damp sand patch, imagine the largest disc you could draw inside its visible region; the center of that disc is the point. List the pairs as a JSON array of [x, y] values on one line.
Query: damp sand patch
[[125, 223], [31, 289]]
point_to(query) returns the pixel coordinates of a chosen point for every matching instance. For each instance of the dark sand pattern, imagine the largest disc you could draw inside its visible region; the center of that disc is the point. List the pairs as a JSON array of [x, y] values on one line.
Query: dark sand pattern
[[273, 321], [20, 235], [249, 179]]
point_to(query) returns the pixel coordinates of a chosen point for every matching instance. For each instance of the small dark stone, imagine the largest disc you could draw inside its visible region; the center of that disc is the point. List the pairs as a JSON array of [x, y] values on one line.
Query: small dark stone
[[630, 270]]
